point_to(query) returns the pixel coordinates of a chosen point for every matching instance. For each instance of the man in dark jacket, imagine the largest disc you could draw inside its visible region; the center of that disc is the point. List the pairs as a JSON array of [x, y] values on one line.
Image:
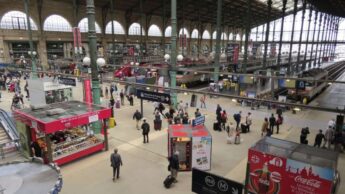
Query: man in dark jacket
[[137, 116], [303, 136], [116, 161], [146, 130], [272, 122], [174, 165], [318, 139]]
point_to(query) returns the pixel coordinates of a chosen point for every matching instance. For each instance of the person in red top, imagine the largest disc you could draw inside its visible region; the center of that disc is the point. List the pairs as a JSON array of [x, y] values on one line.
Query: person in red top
[[224, 119]]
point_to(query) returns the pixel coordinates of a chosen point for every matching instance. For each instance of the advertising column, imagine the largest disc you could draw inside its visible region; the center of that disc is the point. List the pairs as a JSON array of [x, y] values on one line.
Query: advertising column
[[201, 153]]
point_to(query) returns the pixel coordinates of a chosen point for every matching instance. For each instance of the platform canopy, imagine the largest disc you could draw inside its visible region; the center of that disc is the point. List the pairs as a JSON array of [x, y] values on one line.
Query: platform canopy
[[203, 11]]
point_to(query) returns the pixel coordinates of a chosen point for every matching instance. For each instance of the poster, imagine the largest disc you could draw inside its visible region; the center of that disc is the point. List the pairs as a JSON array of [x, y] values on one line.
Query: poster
[[275, 175], [87, 90], [302, 178], [266, 173], [201, 153]]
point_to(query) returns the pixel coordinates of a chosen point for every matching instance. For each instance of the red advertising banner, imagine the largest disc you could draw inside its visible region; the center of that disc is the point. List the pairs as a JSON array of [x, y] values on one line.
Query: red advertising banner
[[87, 91], [276, 175]]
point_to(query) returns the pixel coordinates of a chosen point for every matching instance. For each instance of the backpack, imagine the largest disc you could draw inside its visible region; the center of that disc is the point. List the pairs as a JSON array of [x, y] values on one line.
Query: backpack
[[146, 128], [237, 117]]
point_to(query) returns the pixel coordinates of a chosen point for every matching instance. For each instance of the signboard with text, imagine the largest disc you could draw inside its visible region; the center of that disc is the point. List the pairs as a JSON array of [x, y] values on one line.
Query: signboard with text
[[154, 96], [67, 81], [271, 174], [198, 121], [205, 183]]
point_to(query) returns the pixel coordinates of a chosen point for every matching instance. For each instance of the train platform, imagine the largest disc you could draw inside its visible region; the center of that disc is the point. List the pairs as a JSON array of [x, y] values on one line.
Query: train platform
[[333, 96], [145, 165]]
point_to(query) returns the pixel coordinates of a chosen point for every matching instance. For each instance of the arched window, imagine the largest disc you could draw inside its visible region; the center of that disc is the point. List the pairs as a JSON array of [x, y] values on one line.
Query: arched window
[[195, 34], [238, 37], [206, 35], [231, 36], [84, 26], [167, 32], [56, 23], [16, 20], [134, 29], [224, 36], [214, 35], [184, 31], [154, 31], [118, 29]]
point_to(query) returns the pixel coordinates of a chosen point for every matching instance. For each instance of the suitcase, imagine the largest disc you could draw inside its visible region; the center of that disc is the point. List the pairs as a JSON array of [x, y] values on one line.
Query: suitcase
[[117, 104], [168, 181], [157, 124], [216, 126], [244, 128]]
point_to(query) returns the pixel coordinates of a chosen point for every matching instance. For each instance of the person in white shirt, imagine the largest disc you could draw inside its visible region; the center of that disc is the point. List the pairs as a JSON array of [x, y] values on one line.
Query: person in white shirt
[[331, 123]]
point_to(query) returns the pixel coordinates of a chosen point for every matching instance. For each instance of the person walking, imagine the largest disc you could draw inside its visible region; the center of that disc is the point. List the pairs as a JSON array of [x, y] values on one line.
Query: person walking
[[279, 122], [111, 104], [116, 162], [131, 100], [303, 136], [264, 128], [146, 130], [329, 133], [224, 119], [331, 123], [338, 140], [249, 120], [203, 101], [237, 118], [122, 98], [174, 165], [218, 110], [137, 116], [318, 139], [272, 122]]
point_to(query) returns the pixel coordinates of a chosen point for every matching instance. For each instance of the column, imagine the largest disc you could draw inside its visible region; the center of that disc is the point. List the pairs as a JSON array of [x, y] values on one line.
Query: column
[[112, 15], [173, 53], [219, 33], [313, 41], [42, 53], [318, 38], [247, 34], [4, 51], [300, 36], [281, 33], [307, 40], [33, 58], [292, 36], [269, 4]]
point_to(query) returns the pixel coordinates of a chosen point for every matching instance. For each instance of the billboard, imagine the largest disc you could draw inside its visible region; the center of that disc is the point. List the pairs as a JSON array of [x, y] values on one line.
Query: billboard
[[271, 174]]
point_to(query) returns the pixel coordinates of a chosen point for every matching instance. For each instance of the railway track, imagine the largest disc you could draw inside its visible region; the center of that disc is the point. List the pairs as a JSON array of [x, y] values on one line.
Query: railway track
[[336, 70]]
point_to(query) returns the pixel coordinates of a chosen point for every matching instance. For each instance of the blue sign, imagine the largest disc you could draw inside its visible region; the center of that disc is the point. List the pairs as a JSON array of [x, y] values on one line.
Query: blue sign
[[300, 84], [198, 121]]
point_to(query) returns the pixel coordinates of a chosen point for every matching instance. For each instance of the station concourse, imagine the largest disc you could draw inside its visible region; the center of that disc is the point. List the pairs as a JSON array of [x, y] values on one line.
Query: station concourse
[[65, 65]]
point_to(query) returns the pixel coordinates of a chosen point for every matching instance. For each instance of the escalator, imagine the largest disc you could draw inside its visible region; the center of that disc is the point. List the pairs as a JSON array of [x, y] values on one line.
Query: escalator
[[9, 137]]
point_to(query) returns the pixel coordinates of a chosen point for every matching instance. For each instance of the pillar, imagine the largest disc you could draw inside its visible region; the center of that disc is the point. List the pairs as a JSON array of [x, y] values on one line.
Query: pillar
[[112, 15], [292, 36], [42, 53], [33, 58], [281, 32], [247, 33], [307, 40], [313, 41], [318, 38], [4, 51], [173, 53], [300, 35], [269, 3], [219, 34]]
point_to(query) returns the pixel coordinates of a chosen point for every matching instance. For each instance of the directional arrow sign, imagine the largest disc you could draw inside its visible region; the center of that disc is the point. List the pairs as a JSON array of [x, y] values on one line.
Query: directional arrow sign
[[154, 96]]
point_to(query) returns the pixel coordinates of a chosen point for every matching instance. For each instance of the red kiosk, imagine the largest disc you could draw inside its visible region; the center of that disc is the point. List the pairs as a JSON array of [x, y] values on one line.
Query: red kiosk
[[194, 145], [64, 131]]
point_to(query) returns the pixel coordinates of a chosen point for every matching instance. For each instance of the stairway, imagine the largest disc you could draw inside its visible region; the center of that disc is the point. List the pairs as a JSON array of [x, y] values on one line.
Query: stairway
[[4, 137]]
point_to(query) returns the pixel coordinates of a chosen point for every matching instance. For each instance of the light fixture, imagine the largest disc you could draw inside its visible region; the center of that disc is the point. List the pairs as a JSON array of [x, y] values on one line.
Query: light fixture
[[329, 83], [87, 61], [166, 57], [234, 100], [287, 80], [34, 53], [223, 56], [179, 57], [147, 88], [132, 63], [101, 62], [297, 109], [185, 93], [136, 64]]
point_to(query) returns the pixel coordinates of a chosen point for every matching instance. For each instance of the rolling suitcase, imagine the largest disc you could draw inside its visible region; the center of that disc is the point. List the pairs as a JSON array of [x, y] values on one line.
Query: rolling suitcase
[[216, 126], [244, 128], [117, 104], [157, 124], [168, 181]]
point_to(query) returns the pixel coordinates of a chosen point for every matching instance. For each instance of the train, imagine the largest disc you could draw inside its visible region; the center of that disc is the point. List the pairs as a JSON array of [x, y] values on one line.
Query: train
[[311, 88]]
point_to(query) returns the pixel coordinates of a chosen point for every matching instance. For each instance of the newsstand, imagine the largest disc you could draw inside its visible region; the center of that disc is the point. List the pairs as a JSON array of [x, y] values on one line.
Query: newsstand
[[63, 132]]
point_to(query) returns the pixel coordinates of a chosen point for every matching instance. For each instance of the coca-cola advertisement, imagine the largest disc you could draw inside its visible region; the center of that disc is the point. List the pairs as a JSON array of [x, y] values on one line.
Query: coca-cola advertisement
[[276, 175], [304, 178], [266, 173]]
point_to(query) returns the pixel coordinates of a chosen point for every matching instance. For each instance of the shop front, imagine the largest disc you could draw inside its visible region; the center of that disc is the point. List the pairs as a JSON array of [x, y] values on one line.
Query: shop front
[[63, 132], [194, 145]]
